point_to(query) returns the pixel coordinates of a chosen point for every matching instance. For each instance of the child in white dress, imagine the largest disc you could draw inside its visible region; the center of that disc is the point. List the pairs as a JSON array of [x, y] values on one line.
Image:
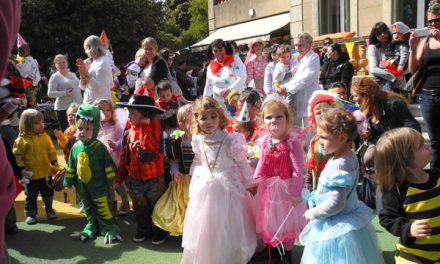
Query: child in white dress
[[219, 222]]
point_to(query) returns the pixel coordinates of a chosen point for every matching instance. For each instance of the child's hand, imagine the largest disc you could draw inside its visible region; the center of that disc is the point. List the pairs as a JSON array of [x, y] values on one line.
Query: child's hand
[[400, 68], [296, 200], [421, 228], [27, 173], [177, 177], [57, 133], [111, 144], [308, 216]]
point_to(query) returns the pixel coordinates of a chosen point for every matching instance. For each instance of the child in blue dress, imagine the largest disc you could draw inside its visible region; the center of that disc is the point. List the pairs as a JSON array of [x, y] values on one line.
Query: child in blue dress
[[340, 229]]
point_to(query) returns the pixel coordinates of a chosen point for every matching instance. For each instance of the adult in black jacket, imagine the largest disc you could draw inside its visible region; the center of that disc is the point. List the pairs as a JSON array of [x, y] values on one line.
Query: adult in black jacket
[[385, 110], [336, 69]]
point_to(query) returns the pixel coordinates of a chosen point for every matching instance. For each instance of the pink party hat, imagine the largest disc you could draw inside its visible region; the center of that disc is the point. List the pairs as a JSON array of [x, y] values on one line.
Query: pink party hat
[[20, 40]]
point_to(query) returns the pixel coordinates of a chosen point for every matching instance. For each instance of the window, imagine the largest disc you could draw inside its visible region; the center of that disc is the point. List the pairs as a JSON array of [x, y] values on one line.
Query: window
[[334, 16], [410, 12]]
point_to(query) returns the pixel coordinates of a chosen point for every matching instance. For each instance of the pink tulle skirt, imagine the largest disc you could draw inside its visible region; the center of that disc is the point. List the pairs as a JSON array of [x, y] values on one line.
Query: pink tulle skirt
[[273, 203], [219, 227]]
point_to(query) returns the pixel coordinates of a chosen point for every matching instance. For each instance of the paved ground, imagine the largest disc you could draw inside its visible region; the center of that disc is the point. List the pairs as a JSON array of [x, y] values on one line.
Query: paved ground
[[50, 241]]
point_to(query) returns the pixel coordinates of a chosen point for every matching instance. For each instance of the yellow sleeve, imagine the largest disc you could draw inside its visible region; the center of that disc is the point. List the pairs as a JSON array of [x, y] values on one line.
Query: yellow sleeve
[[19, 154]]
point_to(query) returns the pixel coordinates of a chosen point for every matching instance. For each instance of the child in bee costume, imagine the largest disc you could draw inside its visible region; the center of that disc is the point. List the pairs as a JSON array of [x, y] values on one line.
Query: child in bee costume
[[92, 170]]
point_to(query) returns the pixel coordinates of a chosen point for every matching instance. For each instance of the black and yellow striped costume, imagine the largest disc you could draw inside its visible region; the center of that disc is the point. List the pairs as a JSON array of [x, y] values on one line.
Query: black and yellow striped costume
[[406, 204]]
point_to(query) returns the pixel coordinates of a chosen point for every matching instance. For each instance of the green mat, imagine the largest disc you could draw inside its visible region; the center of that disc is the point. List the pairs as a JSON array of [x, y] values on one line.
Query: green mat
[[50, 242]]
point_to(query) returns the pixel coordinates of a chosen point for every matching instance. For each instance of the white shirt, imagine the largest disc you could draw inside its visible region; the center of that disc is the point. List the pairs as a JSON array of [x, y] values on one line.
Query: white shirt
[[58, 87], [305, 81], [100, 81], [229, 77]]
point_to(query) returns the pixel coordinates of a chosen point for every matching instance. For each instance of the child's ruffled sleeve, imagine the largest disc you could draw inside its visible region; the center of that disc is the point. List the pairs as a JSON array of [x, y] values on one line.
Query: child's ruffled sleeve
[[335, 197], [237, 146], [197, 161], [339, 178]]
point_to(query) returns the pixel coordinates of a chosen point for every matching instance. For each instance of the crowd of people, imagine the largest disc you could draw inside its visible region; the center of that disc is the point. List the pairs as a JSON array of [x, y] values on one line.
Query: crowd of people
[[270, 150]]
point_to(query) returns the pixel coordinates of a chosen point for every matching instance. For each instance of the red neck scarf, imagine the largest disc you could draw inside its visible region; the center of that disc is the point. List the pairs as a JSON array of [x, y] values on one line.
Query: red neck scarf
[[216, 66]]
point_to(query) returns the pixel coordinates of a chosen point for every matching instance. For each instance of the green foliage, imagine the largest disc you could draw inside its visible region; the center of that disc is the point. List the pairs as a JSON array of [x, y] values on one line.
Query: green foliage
[[198, 28], [61, 26], [53, 27]]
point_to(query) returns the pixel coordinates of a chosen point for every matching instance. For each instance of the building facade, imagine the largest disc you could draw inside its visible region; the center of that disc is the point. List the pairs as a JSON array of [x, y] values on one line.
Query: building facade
[[317, 17]]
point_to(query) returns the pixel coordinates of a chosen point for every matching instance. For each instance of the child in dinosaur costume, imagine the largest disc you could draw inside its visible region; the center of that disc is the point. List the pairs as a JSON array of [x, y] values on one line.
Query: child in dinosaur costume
[[92, 170]]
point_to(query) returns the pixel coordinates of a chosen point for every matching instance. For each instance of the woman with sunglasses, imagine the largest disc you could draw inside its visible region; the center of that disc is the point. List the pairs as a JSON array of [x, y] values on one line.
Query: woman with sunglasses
[[379, 39], [226, 72], [426, 52]]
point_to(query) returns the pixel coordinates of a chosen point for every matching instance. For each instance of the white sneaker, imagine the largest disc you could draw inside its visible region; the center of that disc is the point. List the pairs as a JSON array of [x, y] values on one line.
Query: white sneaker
[[31, 220]]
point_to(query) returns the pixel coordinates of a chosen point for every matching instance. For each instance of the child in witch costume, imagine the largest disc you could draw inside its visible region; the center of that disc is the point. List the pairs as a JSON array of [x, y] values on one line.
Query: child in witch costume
[[92, 181], [141, 165]]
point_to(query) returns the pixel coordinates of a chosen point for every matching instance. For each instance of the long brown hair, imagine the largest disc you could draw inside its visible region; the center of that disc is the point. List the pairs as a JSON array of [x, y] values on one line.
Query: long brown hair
[[371, 91], [394, 155]]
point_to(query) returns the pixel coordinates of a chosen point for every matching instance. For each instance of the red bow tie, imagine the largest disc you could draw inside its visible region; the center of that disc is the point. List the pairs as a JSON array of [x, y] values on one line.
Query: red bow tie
[[216, 66]]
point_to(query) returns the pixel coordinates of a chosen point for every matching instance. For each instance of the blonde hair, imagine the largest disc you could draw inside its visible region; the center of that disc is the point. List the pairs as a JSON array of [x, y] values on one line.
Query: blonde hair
[[370, 91], [59, 56], [151, 41], [394, 155], [283, 48], [139, 53], [207, 104], [73, 107], [184, 112], [101, 102], [28, 119], [94, 45], [84, 122], [275, 105]]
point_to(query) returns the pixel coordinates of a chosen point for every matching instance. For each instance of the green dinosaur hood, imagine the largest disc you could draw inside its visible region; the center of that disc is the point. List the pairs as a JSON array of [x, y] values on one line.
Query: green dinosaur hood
[[90, 113]]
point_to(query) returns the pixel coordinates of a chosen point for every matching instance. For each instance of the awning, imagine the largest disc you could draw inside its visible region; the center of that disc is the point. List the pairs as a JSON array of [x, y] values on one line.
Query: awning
[[241, 33]]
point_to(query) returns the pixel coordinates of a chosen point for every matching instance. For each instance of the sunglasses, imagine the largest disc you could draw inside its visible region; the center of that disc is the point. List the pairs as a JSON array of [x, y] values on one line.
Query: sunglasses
[[327, 43], [383, 32], [435, 21]]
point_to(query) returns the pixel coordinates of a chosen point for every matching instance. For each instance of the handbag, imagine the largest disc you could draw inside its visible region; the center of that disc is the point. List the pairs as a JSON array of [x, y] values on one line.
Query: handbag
[[415, 83], [367, 192], [56, 183]]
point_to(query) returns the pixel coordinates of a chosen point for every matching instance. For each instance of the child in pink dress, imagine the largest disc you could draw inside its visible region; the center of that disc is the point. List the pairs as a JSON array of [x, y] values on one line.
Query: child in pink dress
[[219, 223], [279, 174]]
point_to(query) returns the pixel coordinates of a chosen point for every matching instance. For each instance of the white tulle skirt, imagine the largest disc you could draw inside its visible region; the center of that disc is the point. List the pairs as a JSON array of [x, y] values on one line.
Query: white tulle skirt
[[219, 227]]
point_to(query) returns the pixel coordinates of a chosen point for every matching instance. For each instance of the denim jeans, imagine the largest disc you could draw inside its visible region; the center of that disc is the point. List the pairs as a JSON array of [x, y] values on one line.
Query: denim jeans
[[430, 107]]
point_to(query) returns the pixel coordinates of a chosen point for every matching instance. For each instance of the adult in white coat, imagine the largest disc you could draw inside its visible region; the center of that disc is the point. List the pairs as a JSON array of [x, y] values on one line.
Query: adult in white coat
[[306, 80], [226, 72]]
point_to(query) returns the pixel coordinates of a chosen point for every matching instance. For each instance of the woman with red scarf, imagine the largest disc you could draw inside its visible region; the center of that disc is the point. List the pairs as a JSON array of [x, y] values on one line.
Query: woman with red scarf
[[226, 72]]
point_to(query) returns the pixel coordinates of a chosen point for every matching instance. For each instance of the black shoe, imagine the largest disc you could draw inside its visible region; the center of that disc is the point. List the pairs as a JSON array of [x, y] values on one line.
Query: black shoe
[[139, 237], [159, 238], [12, 231]]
